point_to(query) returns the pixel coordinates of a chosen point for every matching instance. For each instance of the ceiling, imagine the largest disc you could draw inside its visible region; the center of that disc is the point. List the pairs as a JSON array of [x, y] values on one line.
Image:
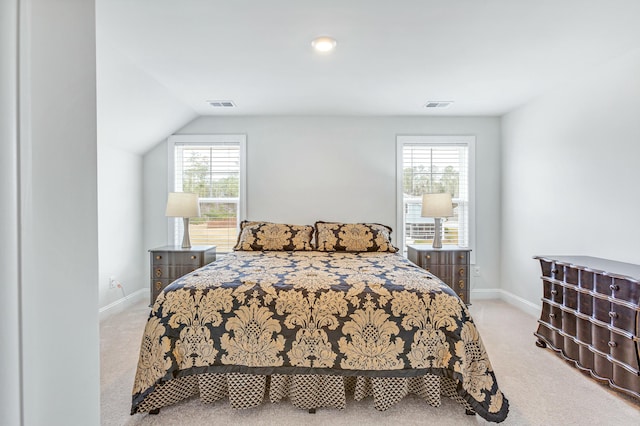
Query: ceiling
[[159, 61]]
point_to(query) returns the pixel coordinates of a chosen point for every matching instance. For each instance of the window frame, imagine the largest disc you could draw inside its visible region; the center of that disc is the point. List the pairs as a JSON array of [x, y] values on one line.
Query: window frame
[[205, 140], [468, 140]]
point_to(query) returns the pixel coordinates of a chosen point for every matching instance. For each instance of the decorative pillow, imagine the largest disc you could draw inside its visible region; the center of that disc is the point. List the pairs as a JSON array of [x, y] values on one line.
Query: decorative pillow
[[355, 237], [267, 236]]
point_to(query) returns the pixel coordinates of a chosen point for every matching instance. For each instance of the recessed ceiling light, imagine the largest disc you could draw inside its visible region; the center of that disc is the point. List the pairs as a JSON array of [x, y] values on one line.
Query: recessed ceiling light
[[323, 44]]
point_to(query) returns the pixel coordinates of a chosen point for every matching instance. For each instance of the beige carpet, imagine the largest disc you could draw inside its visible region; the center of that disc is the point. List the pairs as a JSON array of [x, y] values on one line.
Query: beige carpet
[[542, 388]]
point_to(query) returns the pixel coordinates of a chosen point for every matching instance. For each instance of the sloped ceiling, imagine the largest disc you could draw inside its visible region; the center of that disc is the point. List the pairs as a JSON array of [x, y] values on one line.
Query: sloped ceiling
[[159, 61]]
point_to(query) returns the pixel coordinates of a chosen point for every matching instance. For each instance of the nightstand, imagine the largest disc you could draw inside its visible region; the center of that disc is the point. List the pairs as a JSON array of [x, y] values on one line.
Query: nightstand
[[168, 263], [449, 263]]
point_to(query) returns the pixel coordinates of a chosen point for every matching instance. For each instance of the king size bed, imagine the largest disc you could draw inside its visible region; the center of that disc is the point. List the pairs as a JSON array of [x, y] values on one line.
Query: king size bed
[[286, 317]]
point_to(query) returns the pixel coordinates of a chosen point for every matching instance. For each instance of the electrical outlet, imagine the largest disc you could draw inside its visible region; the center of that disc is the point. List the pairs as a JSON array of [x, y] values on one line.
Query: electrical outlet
[[476, 271], [112, 282]]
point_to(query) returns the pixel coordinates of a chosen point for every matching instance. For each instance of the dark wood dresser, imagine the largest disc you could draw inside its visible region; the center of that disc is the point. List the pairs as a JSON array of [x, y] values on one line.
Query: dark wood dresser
[[591, 316], [449, 263], [169, 263]]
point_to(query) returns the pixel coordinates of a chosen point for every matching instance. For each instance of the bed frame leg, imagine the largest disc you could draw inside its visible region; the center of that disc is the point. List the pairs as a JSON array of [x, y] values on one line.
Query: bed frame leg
[[312, 410], [469, 412], [155, 411]]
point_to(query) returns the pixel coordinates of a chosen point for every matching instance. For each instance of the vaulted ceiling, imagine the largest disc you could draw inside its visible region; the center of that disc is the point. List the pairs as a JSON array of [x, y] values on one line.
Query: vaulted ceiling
[[159, 61]]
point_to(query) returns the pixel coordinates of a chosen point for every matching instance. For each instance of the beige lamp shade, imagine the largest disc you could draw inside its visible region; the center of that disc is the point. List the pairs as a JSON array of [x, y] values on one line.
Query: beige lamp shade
[[437, 205], [182, 204]]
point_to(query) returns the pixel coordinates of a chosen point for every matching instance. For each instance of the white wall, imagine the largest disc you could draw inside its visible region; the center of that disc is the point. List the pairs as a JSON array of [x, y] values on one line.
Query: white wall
[[303, 169], [10, 390], [120, 223], [57, 238], [570, 174]]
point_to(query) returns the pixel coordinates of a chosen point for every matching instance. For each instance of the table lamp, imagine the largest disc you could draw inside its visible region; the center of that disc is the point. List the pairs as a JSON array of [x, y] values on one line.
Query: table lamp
[[184, 205], [437, 206]]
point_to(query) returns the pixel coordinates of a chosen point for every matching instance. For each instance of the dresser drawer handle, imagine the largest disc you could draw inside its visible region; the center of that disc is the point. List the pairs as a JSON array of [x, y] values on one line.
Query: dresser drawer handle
[[613, 314], [158, 257], [158, 273], [194, 257], [461, 272], [461, 256], [552, 315], [555, 271], [158, 285], [428, 269], [461, 295], [614, 287], [461, 283], [428, 256], [612, 344], [554, 292]]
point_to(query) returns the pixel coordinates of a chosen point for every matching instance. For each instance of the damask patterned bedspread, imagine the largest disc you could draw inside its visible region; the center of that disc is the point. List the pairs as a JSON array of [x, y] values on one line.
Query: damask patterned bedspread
[[309, 312]]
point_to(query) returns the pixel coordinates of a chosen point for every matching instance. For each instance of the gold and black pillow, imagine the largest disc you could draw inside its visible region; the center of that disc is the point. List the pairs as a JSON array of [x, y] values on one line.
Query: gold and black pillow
[[354, 237], [267, 236]]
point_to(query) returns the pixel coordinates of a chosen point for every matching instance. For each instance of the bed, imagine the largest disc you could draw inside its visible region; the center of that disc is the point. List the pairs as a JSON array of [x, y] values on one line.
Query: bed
[[313, 325]]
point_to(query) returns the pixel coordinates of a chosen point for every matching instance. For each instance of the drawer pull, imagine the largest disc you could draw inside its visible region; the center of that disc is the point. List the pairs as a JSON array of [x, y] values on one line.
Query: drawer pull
[[554, 292], [461, 256], [158, 273], [461, 283], [614, 287], [428, 269], [194, 257], [428, 256], [555, 271], [552, 315], [158, 257], [461, 295], [613, 314], [158, 285], [612, 344], [461, 272]]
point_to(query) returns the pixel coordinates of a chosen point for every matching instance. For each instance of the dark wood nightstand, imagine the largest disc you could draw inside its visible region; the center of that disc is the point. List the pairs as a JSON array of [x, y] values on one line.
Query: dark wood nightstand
[[449, 263], [168, 263]]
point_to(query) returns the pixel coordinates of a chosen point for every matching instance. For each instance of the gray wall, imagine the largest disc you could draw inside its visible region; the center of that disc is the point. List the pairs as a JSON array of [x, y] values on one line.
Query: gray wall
[[308, 168], [570, 174], [48, 196], [120, 224]]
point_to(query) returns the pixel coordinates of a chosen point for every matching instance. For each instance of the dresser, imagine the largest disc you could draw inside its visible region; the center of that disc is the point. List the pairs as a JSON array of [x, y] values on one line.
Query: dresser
[[591, 316], [449, 263], [169, 263]]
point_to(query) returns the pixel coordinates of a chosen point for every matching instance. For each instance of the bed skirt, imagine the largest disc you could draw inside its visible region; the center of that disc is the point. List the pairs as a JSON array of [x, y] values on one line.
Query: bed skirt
[[303, 391]]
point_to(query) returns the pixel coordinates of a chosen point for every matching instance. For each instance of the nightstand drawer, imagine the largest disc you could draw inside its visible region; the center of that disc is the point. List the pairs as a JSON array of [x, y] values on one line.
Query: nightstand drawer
[[443, 258], [176, 258], [171, 271], [168, 263], [157, 286], [450, 264]]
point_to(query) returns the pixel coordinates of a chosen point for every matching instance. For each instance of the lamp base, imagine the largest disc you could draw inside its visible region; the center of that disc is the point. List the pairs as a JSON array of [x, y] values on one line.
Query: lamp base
[[437, 238], [186, 242]]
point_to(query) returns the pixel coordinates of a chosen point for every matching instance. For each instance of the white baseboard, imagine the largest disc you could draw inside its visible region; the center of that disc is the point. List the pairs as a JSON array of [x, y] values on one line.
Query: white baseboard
[[517, 301], [105, 311]]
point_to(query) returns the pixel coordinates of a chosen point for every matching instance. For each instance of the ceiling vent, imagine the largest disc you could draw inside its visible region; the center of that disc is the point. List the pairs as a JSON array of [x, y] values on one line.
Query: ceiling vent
[[222, 104], [438, 104]]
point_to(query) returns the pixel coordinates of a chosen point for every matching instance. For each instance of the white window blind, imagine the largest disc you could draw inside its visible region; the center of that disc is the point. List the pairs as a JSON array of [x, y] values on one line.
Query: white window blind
[[435, 165], [214, 170]]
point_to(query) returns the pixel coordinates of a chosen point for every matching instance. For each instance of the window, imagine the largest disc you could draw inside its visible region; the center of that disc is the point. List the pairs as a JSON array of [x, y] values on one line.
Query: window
[[212, 166], [432, 164]]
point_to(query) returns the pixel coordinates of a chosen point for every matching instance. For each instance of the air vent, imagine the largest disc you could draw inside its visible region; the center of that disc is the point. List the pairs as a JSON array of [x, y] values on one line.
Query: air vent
[[222, 104], [438, 104]]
